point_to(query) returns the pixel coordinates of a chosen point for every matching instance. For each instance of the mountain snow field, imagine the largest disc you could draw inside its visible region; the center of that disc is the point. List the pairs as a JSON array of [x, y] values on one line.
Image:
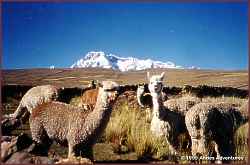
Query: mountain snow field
[[110, 61]]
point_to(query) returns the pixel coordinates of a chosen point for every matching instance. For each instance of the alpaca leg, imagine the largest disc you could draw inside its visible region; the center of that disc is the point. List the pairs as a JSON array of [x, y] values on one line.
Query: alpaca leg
[[19, 111], [197, 149], [41, 140], [36, 130], [217, 154], [71, 153], [195, 146]]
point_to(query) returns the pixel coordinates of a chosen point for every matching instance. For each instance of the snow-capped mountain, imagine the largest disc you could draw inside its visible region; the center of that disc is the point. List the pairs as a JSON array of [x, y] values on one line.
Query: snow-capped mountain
[[52, 67], [111, 61]]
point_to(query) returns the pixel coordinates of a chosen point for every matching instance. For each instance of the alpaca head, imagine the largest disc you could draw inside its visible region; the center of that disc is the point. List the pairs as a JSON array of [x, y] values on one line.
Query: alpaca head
[[92, 84], [111, 89], [155, 83], [140, 88]]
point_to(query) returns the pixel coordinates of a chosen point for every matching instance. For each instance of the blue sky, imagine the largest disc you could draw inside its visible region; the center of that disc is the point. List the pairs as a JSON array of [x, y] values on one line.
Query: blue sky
[[207, 35]]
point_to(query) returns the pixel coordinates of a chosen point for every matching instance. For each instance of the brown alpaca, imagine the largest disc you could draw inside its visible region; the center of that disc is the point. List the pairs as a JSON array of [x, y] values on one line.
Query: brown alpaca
[[89, 97], [65, 123]]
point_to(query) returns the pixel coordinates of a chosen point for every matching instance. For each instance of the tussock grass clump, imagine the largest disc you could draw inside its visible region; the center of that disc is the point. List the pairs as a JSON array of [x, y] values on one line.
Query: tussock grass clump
[[141, 141], [241, 140], [118, 125], [128, 127]]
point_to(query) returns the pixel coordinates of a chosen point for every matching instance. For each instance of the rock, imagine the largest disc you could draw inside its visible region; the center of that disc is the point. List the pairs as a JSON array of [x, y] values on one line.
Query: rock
[[27, 158], [19, 157], [9, 124], [5, 152], [13, 151], [12, 144]]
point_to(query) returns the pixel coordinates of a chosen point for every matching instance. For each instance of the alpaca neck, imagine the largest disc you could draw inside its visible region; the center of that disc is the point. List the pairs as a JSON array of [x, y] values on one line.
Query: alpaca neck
[[140, 98], [97, 120], [156, 122], [157, 103]]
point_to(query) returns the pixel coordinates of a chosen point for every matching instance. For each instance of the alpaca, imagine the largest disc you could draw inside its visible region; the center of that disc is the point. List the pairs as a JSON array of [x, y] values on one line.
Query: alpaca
[[66, 123], [35, 96], [144, 98], [212, 127], [89, 98], [166, 123], [92, 84]]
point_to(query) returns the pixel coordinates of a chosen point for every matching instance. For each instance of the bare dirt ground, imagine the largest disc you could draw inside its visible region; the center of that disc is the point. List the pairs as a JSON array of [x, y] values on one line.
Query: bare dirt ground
[[81, 77]]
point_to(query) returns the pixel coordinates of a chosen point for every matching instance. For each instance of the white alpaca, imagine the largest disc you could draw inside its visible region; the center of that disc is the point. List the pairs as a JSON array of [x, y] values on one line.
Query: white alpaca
[[165, 122], [144, 98], [34, 97]]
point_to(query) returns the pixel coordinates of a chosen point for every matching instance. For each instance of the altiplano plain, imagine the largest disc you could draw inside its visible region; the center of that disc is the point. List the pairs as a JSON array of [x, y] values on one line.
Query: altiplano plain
[[81, 77]]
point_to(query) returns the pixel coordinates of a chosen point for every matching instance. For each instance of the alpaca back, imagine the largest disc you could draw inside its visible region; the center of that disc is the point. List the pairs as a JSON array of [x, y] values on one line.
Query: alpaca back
[[58, 119], [206, 115], [181, 104], [38, 95], [212, 122]]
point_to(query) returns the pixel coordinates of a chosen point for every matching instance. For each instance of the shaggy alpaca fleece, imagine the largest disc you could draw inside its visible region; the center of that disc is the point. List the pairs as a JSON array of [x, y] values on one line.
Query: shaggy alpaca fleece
[[35, 96], [181, 104], [213, 124], [77, 127]]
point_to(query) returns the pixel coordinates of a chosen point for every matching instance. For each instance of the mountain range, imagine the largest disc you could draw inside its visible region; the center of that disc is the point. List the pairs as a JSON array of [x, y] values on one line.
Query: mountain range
[[111, 61]]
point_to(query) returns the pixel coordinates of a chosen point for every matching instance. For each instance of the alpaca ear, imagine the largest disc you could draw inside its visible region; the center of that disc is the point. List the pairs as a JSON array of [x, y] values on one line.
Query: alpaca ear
[[162, 75], [148, 75]]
